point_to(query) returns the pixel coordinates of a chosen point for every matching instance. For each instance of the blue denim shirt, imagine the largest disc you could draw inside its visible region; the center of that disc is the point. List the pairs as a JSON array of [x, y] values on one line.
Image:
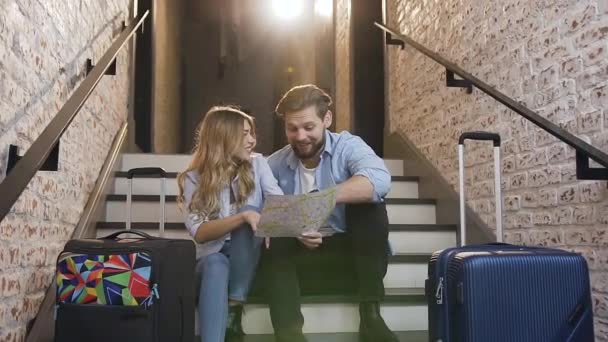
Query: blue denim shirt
[[265, 184], [345, 155]]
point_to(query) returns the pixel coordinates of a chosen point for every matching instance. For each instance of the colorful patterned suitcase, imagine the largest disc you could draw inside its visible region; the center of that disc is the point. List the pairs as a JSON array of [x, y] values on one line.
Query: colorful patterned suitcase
[[506, 293], [126, 289]]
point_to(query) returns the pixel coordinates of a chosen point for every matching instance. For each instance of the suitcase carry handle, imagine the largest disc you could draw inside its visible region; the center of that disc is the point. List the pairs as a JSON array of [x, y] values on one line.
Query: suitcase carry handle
[[136, 232], [484, 136], [479, 136], [146, 171]]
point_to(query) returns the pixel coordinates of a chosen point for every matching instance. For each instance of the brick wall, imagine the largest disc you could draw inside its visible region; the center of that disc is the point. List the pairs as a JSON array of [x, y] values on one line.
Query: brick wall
[[344, 75], [43, 49], [553, 57]]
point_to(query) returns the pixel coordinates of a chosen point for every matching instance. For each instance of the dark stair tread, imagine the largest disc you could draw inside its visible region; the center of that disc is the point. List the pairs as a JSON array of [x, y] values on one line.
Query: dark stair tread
[[407, 258], [422, 227], [123, 174], [410, 201], [173, 198], [409, 336], [405, 178], [392, 296], [139, 225], [140, 198]]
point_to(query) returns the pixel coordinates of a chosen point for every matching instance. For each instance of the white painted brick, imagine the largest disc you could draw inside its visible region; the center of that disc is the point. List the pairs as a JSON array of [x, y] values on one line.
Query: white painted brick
[[552, 65], [43, 46]]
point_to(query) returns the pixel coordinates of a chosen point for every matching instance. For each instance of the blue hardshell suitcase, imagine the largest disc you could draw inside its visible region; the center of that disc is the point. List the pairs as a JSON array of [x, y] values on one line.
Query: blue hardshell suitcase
[[500, 292]]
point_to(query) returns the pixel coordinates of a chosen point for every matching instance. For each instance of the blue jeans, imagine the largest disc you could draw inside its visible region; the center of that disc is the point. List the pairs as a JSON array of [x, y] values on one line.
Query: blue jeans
[[223, 275]]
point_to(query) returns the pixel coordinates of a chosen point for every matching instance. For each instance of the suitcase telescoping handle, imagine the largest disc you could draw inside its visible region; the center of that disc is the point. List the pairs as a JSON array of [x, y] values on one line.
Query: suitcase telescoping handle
[[147, 171], [486, 136]]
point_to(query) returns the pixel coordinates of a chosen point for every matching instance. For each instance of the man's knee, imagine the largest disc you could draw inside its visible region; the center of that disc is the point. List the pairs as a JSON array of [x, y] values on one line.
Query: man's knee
[[364, 215]]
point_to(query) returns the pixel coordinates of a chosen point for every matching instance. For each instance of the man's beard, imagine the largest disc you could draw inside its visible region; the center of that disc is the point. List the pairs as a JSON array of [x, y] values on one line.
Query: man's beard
[[313, 151]]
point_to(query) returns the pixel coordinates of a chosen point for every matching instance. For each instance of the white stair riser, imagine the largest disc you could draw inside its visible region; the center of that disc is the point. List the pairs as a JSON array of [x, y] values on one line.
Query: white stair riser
[[394, 166], [150, 212], [421, 241], [344, 318], [169, 162], [179, 162], [145, 186], [401, 242], [400, 275], [402, 189], [151, 186], [411, 213]]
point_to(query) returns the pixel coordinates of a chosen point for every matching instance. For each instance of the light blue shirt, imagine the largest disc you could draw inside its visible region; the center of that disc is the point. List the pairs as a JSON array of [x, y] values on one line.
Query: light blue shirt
[[344, 156], [265, 184]]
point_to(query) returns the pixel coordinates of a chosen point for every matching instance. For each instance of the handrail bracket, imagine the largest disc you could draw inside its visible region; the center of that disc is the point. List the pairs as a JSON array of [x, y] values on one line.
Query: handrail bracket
[[583, 171], [111, 70], [394, 41], [453, 82], [50, 163]]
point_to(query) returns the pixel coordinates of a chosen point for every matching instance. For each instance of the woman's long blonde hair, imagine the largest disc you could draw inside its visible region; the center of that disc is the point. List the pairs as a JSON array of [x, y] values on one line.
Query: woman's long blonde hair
[[219, 137]]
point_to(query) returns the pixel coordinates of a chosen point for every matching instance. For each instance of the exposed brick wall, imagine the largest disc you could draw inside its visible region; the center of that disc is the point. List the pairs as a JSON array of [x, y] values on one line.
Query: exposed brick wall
[[344, 75], [43, 49], [553, 57]]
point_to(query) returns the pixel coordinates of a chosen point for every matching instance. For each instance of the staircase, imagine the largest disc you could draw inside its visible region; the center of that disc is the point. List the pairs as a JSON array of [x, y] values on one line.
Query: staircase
[[414, 235]]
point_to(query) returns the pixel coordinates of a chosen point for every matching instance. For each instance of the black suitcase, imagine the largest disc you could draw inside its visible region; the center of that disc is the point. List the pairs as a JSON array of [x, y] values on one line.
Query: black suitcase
[[506, 293], [126, 289]]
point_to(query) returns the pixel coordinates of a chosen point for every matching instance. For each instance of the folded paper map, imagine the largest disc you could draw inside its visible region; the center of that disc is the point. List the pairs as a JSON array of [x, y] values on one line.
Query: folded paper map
[[292, 215]]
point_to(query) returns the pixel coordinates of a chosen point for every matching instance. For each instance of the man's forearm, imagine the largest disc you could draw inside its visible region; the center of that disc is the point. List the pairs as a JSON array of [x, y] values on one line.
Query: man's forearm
[[357, 189]]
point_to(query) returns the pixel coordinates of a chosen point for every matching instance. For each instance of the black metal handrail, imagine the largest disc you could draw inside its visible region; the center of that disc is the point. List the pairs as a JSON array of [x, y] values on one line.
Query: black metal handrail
[[584, 151], [27, 166]]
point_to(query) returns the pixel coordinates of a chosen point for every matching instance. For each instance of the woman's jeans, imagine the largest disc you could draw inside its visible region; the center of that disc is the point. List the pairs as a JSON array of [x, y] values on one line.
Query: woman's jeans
[[225, 275]]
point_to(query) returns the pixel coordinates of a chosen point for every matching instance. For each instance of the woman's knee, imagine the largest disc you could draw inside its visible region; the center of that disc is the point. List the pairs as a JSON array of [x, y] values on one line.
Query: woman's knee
[[216, 263]]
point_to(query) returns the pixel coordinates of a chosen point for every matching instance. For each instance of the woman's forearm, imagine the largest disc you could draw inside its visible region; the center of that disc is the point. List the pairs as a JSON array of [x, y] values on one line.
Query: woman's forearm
[[215, 229]]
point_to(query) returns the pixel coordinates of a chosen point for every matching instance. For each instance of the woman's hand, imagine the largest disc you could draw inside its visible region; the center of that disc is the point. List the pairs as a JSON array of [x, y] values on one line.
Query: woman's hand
[[252, 218]]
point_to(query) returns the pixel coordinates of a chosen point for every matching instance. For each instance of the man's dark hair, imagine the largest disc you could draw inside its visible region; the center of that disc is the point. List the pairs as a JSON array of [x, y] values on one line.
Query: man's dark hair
[[301, 97]]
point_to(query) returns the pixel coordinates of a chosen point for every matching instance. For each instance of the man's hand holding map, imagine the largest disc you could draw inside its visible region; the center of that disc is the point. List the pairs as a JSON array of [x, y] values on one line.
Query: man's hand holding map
[[292, 215]]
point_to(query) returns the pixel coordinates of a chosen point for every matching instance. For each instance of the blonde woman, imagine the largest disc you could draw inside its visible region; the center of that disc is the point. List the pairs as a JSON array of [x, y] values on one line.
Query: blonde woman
[[222, 192]]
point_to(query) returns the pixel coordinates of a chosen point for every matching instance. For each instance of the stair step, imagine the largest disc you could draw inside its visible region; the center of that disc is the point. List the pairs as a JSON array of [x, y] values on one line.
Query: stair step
[[422, 227], [392, 296], [420, 242], [408, 258], [123, 174], [401, 187], [400, 211], [180, 226], [179, 162], [403, 238], [404, 336], [140, 226], [404, 269], [173, 198], [408, 315]]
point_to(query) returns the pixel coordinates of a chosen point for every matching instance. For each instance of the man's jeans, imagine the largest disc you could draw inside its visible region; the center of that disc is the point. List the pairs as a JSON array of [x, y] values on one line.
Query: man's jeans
[[355, 261]]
